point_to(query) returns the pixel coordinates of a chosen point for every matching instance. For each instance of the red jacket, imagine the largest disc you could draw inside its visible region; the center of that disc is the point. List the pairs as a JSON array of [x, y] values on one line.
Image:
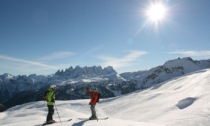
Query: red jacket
[[94, 96]]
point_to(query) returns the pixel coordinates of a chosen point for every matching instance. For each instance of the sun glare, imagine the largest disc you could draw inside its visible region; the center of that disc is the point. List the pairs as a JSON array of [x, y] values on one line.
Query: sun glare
[[156, 12]]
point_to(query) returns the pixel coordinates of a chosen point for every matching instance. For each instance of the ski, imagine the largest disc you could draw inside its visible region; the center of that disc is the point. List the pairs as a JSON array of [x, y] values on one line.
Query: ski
[[103, 118], [54, 122], [94, 119]]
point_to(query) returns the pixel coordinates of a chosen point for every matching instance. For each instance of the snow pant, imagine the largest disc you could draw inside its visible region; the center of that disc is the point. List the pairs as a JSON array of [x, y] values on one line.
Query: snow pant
[[50, 112], [93, 111]]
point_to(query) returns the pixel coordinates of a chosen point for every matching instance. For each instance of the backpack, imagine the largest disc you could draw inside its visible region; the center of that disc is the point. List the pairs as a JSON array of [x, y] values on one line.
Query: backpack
[[98, 97], [45, 95]]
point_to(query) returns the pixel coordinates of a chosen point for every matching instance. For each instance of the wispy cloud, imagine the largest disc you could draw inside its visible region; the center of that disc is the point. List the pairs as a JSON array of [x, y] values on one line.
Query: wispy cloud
[[125, 61], [192, 53], [24, 66], [12, 59], [56, 55]]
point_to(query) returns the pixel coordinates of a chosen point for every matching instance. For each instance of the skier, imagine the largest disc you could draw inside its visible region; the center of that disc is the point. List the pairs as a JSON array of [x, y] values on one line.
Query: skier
[[94, 95], [50, 98]]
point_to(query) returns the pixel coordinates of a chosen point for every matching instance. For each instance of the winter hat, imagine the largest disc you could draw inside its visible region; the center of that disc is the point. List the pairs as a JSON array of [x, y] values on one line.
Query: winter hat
[[53, 86], [95, 89]]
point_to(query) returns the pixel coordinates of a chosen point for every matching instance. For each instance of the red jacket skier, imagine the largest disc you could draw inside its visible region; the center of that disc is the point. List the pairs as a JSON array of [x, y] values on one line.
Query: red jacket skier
[[94, 95]]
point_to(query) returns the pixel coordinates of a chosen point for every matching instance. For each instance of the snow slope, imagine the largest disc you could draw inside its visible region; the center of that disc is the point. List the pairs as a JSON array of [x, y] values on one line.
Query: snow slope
[[182, 101]]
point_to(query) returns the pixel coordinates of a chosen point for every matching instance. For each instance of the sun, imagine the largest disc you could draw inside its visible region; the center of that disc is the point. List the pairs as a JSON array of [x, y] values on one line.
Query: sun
[[156, 12]]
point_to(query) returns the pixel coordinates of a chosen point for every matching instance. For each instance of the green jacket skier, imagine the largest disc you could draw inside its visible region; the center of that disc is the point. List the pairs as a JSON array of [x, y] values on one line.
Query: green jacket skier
[[50, 98]]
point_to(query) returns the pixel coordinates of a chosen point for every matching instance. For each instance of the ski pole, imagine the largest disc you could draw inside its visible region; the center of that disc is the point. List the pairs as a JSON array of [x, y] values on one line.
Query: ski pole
[[58, 114]]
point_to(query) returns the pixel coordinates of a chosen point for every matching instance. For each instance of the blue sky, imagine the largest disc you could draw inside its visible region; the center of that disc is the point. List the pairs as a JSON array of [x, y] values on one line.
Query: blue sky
[[42, 36]]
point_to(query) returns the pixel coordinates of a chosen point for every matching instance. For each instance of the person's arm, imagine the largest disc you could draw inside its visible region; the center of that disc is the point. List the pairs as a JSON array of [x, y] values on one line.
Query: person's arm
[[89, 91], [53, 97]]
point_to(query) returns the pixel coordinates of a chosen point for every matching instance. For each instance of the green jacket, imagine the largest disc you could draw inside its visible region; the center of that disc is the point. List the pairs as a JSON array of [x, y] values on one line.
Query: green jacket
[[50, 96]]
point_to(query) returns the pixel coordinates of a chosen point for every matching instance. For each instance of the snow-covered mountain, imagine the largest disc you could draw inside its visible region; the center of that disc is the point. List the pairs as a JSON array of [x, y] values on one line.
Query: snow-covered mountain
[[72, 81], [182, 101], [20, 89], [169, 70], [85, 72]]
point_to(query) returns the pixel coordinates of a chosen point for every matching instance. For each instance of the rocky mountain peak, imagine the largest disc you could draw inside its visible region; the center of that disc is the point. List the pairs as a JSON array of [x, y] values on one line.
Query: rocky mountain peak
[[78, 71]]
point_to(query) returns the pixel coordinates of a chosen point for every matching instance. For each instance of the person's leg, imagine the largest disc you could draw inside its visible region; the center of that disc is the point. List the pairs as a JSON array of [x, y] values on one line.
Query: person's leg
[[93, 111], [50, 113]]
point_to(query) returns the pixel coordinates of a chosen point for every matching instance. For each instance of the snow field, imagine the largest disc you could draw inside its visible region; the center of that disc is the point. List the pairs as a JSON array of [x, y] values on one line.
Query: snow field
[[182, 101]]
